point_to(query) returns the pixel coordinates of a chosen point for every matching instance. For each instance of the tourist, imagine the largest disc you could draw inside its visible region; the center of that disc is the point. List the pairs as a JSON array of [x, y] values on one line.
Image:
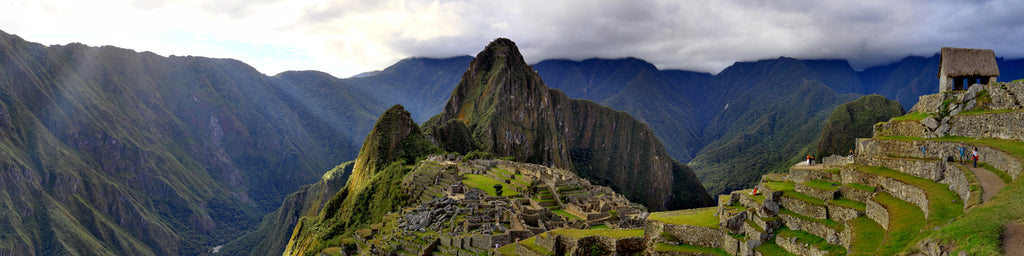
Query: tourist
[[963, 154], [975, 156]]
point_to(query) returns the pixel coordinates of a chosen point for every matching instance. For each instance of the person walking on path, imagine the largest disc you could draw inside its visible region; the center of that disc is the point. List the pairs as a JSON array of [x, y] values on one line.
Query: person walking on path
[[963, 154], [975, 156]]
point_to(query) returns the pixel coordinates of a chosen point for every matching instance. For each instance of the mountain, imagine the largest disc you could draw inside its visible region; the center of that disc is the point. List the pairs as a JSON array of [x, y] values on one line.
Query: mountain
[[109, 151], [373, 188], [420, 84], [508, 110], [853, 120]]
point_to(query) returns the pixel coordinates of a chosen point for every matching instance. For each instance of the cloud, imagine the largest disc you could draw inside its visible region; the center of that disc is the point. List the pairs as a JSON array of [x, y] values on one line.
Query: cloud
[[347, 37]]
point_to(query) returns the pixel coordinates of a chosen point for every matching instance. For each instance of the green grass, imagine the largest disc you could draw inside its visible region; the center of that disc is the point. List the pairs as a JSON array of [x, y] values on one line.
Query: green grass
[[808, 238], [978, 231], [486, 184], [867, 236], [566, 214], [771, 248], [1002, 175], [532, 245], [612, 233], [702, 217], [861, 187], [823, 185], [848, 204], [905, 224], [915, 116], [663, 247], [780, 186], [943, 204], [827, 222]]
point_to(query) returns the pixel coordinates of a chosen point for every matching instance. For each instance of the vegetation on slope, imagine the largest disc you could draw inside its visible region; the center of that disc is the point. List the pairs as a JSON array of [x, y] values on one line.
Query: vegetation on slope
[[854, 120]]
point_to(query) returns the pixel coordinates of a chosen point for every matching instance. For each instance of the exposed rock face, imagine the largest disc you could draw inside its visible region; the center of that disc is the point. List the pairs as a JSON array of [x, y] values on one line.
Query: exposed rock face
[[511, 112]]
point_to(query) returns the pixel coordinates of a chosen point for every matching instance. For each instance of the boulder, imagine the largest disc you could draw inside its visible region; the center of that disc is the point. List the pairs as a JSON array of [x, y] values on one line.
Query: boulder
[[768, 209], [735, 223], [930, 122]]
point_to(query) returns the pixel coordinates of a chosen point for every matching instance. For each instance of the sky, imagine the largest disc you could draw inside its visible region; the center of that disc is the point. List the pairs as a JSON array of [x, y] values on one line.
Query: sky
[[348, 37]]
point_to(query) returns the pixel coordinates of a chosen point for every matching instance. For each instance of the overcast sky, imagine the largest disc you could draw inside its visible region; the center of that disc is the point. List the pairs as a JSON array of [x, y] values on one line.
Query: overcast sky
[[349, 37]]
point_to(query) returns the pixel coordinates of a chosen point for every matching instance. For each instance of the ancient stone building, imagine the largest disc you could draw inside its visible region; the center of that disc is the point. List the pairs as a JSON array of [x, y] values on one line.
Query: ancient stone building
[[962, 67]]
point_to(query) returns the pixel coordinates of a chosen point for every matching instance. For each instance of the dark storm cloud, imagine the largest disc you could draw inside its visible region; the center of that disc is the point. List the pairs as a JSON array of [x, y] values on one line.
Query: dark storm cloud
[[708, 35]]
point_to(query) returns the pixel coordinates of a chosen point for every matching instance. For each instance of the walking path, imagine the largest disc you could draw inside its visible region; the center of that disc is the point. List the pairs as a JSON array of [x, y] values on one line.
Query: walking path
[[990, 183], [1013, 235]]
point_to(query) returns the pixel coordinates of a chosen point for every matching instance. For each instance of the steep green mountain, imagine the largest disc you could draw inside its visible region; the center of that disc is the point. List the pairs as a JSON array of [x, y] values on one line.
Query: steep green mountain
[[419, 84], [108, 151], [637, 87], [372, 190], [769, 113], [854, 120], [507, 110]]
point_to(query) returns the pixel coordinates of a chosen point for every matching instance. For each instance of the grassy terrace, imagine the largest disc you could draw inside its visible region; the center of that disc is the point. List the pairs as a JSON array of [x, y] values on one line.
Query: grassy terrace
[[663, 247], [486, 184], [808, 238], [916, 116], [943, 204], [566, 214], [978, 231], [823, 185], [613, 233], [861, 187], [702, 217], [771, 248], [906, 222], [827, 222], [867, 236]]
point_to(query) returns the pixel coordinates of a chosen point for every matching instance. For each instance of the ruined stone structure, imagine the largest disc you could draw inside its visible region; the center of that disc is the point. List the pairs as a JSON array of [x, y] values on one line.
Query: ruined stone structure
[[962, 67]]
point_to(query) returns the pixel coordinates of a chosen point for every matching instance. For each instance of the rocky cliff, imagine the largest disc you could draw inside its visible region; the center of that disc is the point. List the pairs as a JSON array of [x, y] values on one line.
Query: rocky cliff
[[509, 111]]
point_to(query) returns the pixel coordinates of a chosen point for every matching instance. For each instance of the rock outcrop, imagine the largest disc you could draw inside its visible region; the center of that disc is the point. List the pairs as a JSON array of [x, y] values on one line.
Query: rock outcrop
[[509, 111]]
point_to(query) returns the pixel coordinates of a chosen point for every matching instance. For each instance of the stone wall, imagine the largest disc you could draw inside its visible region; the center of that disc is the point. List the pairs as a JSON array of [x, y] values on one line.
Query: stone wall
[[840, 213], [795, 246], [817, 211], [878, 213], [927, 169], [939, 149], [830, 235], [1000, 126], [817, 192], [801, 175]]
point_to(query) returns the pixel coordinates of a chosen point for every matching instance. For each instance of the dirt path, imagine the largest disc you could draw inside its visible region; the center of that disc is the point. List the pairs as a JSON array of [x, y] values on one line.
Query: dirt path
[[990, 183], [1013, 239]]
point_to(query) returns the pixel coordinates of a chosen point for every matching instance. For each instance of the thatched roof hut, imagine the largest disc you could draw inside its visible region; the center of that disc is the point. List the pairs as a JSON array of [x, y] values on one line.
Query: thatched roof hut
[[961, 67]]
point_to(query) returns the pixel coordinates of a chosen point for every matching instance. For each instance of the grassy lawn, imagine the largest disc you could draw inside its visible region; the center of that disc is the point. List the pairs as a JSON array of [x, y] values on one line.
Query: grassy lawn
[[613, 233], [771, 248], [978, 231], [916, 116], [867, 236], [905, 224], [566, 214], [808, 238], [943, 204], [823, 185], [663, 247], [701, 217], [487, 184]]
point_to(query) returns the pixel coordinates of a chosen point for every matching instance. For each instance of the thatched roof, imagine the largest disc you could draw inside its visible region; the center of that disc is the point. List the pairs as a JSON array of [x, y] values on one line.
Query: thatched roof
[[968, 62]]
